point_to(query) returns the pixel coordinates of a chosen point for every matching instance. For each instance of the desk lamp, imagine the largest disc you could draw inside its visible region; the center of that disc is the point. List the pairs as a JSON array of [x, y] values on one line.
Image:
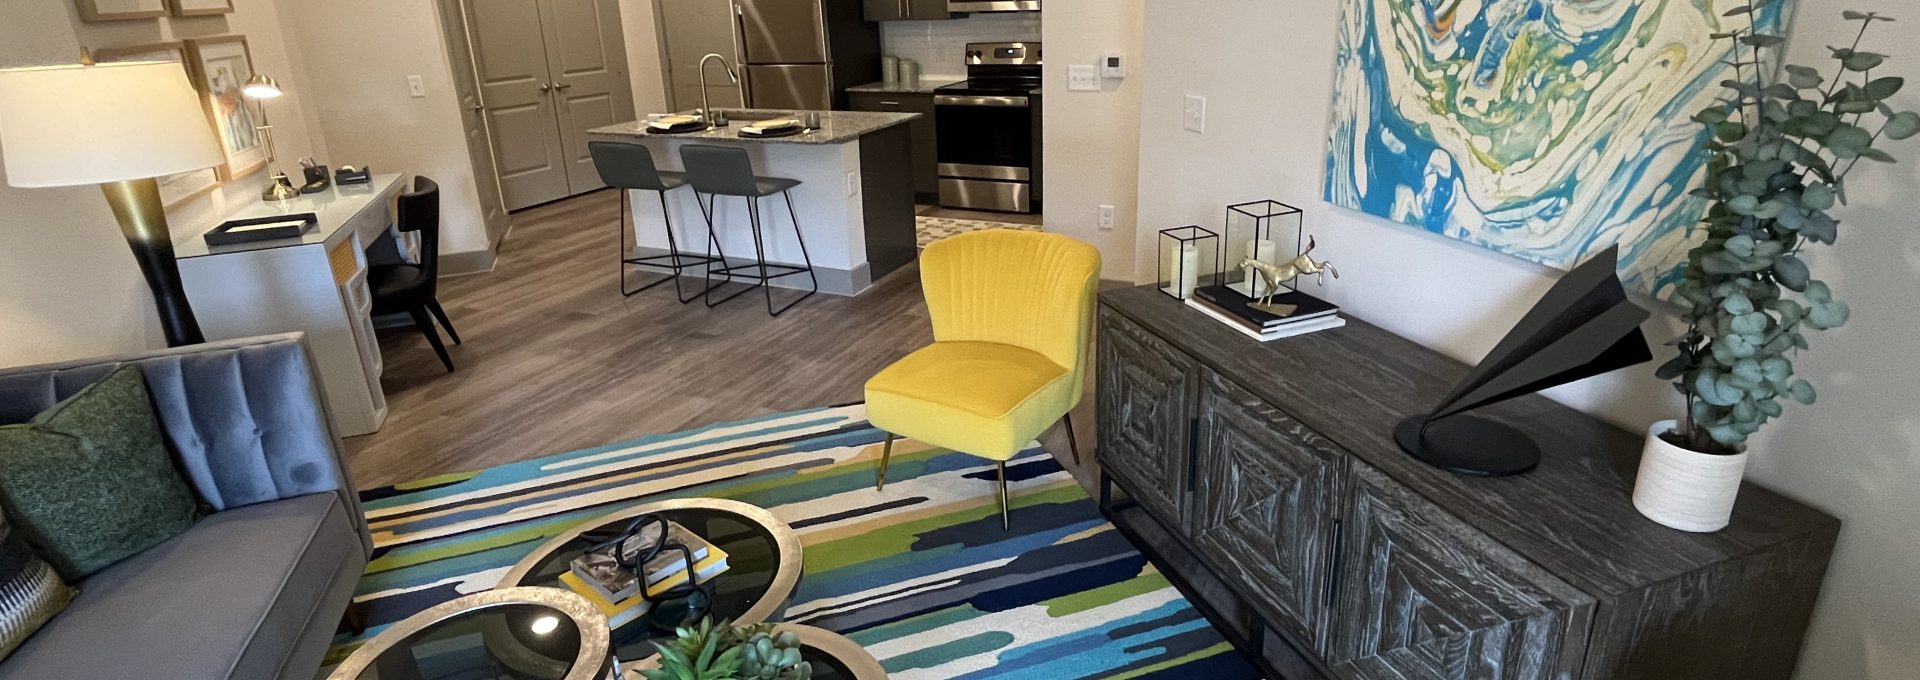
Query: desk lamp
[[119, 126], [261, 88]]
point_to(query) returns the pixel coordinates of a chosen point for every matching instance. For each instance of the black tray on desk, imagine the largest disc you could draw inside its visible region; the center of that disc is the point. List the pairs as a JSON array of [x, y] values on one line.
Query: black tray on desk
[[255, 229]]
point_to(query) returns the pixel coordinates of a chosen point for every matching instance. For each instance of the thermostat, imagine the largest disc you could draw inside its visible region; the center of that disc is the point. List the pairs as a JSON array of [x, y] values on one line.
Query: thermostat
[[1112, 66]]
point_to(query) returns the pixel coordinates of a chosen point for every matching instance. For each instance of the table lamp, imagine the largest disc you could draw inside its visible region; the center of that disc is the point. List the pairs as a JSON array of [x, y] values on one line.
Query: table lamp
[[119, 126], [261, 88]]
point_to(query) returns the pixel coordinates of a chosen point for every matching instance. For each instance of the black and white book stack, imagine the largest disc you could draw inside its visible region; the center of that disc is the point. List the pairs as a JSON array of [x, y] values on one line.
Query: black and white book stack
[[1306, 313]]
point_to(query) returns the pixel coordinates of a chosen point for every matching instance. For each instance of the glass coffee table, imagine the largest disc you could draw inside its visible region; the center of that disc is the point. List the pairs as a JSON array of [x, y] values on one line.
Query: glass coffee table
[[763, 566], [518, 633]]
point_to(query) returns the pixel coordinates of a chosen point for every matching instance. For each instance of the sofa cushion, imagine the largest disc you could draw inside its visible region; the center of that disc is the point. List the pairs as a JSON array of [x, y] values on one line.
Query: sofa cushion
[[230, 598], [90, 481]]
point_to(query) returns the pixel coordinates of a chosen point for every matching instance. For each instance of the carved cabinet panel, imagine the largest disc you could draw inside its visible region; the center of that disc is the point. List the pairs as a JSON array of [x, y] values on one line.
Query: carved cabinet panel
[[1146, 410], [1424, 595], [1266, 496]]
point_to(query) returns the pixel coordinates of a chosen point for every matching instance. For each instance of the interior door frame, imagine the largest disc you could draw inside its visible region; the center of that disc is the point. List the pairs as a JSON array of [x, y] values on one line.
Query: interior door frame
[[455, 26]]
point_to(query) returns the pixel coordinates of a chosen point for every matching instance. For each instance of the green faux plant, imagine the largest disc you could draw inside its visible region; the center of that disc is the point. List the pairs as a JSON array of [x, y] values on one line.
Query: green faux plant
[[1781, 147], [722, 651]]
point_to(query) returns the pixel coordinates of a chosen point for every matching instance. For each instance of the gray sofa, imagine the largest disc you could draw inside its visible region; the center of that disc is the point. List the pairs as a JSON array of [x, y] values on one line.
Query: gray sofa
[[256, 589]]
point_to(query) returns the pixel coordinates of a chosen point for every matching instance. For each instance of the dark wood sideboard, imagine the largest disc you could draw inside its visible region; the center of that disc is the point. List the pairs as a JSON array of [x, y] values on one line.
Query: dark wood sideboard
[[1263, 478]]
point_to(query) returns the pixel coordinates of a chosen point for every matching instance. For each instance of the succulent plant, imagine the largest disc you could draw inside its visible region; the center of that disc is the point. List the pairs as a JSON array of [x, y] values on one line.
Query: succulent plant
[[720, 651], [768, 657], [1781, 147]]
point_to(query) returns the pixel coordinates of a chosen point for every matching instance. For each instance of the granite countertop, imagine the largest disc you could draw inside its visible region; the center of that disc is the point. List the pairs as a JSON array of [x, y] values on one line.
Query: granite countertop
[[924, 87], [836, 127]]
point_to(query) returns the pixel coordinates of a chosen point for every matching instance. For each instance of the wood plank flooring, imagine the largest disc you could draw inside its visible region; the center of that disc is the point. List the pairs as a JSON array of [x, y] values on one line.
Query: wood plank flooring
[[555, 359]]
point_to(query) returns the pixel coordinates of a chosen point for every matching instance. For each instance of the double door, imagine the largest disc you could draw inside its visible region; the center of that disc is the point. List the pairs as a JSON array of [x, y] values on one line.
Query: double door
[[1368, 577], [547, 72]]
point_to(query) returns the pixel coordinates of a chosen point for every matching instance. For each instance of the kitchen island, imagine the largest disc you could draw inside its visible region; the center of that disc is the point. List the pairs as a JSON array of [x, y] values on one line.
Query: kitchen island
[[855, 200]]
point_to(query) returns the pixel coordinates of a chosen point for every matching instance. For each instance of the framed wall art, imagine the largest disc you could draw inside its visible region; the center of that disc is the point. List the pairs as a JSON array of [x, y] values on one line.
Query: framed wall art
[[182, 187], [1549, 131], [220, 68], [120, 10], [194, 8]]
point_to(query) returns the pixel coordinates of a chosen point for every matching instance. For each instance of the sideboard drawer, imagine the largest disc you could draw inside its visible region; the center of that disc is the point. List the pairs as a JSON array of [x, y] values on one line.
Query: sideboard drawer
[[1424, 595], [1146, 413], [1266, 497]]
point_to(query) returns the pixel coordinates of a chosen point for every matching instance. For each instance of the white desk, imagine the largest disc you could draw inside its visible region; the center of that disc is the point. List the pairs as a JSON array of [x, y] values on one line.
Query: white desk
[[316, 283]]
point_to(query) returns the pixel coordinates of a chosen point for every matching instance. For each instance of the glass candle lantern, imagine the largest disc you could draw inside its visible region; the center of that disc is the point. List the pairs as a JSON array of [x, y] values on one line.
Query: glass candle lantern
[[1189, 259], [1268, 231]]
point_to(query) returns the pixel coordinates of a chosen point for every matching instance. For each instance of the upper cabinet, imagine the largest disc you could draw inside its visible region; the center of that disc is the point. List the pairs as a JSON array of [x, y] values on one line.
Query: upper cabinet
[[907, 10]]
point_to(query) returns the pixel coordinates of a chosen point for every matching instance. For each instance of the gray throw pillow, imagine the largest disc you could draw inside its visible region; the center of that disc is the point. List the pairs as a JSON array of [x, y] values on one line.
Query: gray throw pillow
[[90, 482], [30, 593]]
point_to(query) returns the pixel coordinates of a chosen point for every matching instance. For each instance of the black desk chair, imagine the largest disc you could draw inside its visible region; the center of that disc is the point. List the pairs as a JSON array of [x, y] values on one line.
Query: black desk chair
[[411, 288]]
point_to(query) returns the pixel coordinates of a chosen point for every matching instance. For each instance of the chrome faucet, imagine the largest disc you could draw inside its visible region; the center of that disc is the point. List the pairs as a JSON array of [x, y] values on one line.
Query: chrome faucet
[[706, 110]]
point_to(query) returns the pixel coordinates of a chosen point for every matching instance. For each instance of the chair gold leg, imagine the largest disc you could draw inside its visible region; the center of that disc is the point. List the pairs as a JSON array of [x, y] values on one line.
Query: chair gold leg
[[1072, 442], [886, 452], [1004, 524]]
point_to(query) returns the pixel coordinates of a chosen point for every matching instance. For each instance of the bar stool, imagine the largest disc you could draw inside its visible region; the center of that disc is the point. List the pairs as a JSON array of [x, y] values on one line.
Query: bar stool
[[629, 167], [727, 171]]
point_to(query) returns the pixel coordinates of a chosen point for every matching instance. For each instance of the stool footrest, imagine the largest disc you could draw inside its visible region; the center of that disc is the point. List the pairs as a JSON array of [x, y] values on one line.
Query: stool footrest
[[763, 269], [674, 260]]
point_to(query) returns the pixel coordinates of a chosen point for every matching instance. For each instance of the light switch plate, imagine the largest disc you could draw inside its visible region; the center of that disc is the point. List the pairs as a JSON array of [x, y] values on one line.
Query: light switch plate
[[1083, 78], [1106, 218], [416, 86], [1194, 117], [853, 183]]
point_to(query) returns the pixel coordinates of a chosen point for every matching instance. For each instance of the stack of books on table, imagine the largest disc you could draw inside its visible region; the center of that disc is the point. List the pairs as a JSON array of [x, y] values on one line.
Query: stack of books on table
[[1236, 310], [598, 577]]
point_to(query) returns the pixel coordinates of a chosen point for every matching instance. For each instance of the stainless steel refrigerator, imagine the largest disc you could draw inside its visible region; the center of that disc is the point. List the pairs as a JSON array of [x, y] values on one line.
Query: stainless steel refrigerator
[[793, 54]]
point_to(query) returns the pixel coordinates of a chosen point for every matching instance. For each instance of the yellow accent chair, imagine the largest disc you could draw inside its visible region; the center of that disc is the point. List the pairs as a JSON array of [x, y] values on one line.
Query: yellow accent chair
[[1012, 317]]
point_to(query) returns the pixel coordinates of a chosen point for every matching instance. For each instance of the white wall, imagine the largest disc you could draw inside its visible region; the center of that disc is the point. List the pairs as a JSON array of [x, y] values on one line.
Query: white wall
[[1266, 68], [940, 47], [641, 27], [68, 285], [1091, 138], [358, 55]]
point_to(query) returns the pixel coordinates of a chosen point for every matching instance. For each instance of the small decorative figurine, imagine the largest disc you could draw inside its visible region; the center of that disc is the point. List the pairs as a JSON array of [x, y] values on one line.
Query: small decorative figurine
[[1276, 274]]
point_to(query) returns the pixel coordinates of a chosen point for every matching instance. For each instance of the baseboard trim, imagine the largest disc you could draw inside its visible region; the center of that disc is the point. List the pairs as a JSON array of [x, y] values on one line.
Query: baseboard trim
[[466, 263]]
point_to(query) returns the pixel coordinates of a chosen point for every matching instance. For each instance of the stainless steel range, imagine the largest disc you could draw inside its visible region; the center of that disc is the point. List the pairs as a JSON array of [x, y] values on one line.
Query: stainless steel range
[[989, 130]]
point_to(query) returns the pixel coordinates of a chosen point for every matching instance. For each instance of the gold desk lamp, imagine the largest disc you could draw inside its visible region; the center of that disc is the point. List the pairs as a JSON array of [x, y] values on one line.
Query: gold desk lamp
[[118, 126], [261, 88]]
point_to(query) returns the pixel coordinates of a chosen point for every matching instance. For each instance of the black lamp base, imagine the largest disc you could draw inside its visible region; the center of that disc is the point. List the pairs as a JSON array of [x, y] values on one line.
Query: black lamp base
[[1468, 445]]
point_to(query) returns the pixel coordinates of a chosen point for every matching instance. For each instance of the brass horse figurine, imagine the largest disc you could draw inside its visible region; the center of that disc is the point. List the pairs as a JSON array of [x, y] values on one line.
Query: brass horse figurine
[[1273, 274]]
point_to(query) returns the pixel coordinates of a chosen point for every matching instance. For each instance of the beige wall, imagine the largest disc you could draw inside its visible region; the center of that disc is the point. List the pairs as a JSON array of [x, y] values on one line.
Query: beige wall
[[1856, 454], [68, 286], [1091, 139], [640, 25]]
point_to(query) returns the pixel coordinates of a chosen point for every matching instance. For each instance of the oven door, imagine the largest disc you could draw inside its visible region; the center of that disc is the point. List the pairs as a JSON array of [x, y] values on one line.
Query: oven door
[[987, 132]]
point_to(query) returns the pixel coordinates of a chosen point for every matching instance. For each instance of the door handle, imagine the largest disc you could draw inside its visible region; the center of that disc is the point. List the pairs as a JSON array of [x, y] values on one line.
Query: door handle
[[545, 87], [562, 86], [476, 108]]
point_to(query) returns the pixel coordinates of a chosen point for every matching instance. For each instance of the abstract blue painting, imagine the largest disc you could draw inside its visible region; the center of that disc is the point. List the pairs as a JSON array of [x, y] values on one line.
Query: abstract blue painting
[[1545, 129]]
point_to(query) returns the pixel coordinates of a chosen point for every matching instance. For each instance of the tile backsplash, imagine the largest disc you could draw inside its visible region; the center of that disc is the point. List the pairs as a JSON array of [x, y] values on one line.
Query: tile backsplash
[[941, 46]]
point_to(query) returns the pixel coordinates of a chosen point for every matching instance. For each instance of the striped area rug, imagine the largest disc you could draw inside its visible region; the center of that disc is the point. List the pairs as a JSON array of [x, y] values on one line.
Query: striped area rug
[[921, 574]]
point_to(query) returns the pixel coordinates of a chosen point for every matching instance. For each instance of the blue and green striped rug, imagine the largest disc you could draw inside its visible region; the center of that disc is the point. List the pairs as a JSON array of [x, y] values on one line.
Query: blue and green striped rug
[[921, 574]]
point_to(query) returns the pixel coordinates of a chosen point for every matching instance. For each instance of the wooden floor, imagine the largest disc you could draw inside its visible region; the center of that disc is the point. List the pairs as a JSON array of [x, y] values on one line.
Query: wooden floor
[[555, 359]]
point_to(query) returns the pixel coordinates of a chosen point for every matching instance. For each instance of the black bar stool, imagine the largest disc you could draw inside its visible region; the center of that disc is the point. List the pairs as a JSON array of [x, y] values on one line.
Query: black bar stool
[[629, 167], [727, 171]]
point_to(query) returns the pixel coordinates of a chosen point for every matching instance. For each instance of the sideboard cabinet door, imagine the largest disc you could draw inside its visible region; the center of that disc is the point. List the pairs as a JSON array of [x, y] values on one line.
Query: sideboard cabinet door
[[1146, 412], [1266, 492], [1424, 595]]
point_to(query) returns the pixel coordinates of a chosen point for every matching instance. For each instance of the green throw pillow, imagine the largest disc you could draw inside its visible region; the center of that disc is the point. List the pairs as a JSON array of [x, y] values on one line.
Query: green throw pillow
[[90, 481]]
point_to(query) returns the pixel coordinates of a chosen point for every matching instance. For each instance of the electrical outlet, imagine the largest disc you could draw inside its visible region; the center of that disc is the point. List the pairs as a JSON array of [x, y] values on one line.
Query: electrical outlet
[[853, 183], [1106, 218], [1195, 117], [1083, 78], [416, 86]]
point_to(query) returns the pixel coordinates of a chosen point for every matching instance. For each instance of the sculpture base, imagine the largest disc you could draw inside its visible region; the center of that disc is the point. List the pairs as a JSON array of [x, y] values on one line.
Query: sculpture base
[[1468, 445]]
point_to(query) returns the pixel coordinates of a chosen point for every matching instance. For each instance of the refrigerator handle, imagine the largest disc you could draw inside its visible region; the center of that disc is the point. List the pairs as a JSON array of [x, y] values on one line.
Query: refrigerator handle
[[740, 56]]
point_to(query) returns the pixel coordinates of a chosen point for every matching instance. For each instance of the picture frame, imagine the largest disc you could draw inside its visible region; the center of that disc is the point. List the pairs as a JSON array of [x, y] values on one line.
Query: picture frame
[[120, 10], [220, 67], [181, 187], [195, 8]]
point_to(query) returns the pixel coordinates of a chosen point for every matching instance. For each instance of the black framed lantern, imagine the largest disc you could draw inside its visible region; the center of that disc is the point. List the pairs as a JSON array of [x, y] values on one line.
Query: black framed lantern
[[1189, 259], [1266, 230]]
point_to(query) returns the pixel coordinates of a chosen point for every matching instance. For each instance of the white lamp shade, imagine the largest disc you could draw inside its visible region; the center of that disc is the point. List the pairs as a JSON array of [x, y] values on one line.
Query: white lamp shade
[[75, 125]]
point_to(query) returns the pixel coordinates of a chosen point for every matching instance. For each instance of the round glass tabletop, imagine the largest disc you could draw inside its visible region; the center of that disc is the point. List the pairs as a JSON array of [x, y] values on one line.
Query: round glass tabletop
[[763, 567], [519, 633]]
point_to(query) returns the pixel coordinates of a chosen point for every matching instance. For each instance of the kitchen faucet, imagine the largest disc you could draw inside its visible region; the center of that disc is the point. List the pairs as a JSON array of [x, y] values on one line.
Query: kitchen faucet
[[706, 110]]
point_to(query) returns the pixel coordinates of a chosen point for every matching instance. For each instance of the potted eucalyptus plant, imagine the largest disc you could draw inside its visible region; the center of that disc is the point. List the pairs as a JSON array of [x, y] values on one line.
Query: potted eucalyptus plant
[[1781, 146]]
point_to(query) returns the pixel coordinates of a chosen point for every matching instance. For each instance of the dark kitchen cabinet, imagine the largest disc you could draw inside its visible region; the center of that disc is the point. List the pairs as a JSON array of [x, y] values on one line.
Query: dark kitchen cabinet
[[906, 10], [1263, 478], [926, 178]]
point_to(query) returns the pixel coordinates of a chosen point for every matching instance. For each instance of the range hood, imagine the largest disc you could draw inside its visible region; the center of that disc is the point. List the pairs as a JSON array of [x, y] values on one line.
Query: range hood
[[993, 5]]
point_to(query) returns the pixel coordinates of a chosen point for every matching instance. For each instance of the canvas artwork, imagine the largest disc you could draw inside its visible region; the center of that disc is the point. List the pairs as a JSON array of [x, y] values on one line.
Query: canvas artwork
[[177, 188], [1545, 130], [223, 67]]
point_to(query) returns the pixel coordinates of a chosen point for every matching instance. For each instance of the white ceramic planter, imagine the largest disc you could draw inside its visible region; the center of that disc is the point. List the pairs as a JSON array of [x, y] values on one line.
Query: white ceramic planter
[[1685, 489]]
